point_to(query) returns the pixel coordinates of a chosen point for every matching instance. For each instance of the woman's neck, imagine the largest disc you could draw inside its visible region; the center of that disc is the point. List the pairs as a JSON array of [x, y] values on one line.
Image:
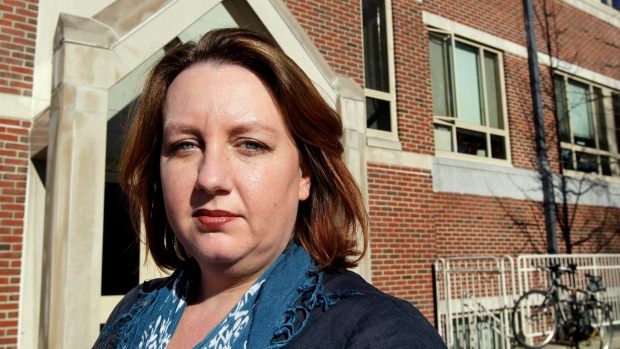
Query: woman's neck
[[222, 282], [209, 302], [236, 278]]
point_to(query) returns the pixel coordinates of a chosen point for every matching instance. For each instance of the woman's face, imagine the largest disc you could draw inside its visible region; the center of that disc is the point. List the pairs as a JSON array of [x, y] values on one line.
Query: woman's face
[[230, 171]]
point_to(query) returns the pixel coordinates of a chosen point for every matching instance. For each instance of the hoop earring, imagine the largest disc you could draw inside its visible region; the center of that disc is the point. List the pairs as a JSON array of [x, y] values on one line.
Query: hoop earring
[[180, 250]]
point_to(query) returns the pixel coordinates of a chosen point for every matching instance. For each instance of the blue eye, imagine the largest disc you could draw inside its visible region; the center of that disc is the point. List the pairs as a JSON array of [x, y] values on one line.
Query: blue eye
[[186, 146], [251, 145]]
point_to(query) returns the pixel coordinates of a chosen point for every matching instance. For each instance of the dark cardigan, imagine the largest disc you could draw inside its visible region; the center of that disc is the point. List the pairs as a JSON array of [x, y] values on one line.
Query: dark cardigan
[[367, 319], [372, 320]]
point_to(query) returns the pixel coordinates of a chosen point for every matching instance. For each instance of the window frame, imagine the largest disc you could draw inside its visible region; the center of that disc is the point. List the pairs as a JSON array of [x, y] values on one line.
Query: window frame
[[610, 126], [609, 4], [455, 123], [390, 96]]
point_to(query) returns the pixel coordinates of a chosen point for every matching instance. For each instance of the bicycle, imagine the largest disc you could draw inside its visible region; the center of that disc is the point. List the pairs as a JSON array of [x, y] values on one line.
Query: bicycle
[[540, 316]]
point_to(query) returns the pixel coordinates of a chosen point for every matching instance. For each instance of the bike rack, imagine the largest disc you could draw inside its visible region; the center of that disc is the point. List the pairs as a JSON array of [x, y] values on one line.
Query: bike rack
[[475, 295], [474, 301]]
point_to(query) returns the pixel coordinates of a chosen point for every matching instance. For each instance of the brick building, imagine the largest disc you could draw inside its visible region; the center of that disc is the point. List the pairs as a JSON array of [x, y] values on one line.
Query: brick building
[[436, 105]]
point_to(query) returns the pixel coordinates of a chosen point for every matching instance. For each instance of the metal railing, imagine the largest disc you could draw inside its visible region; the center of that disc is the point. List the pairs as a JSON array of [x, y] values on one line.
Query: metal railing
[[605, 265], [475, 295]]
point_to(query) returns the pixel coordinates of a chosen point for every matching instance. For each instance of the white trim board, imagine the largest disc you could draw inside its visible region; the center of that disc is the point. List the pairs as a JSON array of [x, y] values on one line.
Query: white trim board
[[20, 107], [475, 178], [391, 157], [595, 8], [465, 177]]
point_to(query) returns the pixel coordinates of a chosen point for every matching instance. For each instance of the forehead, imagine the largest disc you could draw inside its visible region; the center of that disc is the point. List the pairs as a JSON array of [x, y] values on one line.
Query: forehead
[[213, 78], [231, 92]]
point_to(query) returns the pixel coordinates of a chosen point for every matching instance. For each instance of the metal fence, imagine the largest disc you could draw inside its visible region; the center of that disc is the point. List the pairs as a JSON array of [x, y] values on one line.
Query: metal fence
[[605, 265], [475, 295]]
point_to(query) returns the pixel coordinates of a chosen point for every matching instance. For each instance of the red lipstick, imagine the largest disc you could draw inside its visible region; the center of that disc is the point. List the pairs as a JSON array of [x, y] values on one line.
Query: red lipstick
[[213, 219]]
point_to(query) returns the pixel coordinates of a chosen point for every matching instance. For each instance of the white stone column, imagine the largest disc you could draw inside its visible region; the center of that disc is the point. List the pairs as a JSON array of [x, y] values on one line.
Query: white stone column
[[74, 218], [73, 239], [352, 109], [30, 295]]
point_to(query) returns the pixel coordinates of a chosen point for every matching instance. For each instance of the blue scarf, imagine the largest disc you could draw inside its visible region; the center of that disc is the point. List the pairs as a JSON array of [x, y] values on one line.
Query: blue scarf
[[271, 312]]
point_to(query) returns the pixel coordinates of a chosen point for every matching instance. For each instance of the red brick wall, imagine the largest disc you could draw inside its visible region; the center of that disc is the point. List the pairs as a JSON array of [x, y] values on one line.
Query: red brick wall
[[414, 102], [13, 169], [577, 36], [519, 106], [335, 28], [582, 39], [520, 114], [500, 18], [18, 21], [476, 225], [411, 224], [402, 240]]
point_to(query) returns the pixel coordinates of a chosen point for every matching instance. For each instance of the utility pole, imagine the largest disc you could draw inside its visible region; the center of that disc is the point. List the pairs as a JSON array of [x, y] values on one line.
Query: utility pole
[[544, 169]]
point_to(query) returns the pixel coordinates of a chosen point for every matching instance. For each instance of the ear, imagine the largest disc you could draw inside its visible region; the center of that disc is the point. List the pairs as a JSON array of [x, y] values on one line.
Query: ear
[[304, 182]]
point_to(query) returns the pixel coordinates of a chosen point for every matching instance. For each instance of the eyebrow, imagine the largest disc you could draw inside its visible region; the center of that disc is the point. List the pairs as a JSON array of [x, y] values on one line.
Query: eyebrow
[[237, 128], [251, 126], [177, 128]]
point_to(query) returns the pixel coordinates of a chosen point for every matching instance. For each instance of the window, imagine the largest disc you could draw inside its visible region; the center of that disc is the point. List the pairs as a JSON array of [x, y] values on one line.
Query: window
[[378, 68], [588, 116], [613, 3], [468, 98]]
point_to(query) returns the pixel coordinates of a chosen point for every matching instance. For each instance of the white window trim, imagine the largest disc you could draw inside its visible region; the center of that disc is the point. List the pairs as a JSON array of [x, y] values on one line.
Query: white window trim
[[509, 47], [386, 139], [608, 6], [597, 9], [613, 152], [455, 123]]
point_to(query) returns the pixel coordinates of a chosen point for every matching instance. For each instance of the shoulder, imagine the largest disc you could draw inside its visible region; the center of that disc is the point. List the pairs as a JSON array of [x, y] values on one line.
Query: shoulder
[[368, 318], [366, 296], [125, 304]]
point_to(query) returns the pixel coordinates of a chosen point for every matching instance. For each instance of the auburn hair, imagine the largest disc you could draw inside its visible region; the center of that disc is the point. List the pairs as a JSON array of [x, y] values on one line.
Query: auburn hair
[[332, 224]]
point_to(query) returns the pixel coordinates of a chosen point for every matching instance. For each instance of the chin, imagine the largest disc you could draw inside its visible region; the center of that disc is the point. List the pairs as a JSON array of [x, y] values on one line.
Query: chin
[[217, 257]]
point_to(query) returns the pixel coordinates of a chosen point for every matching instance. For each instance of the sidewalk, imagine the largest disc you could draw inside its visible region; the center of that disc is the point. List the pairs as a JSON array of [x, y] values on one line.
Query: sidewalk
[[615, 344]]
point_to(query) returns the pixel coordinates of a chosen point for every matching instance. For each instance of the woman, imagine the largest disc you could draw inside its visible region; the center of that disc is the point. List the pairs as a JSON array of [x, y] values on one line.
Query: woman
[[233, 163]]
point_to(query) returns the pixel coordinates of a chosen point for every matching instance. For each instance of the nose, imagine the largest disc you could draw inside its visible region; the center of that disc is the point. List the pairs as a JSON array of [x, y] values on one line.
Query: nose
[[214, 175]]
